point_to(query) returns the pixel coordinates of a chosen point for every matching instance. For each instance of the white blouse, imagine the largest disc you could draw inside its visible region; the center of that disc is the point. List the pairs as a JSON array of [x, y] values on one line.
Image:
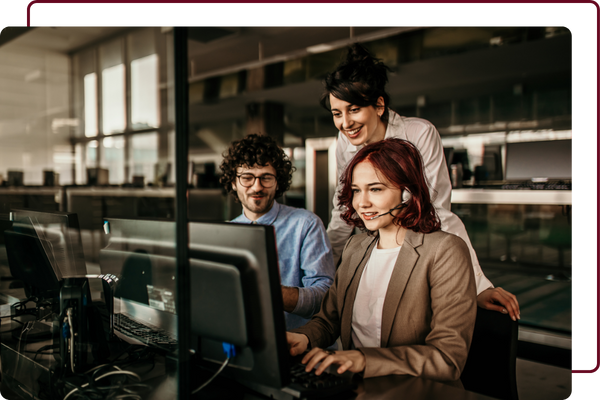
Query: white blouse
[[368, 304]]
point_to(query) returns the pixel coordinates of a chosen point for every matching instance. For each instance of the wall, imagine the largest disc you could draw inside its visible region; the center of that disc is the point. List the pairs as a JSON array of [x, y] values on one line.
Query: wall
[[34, 111]]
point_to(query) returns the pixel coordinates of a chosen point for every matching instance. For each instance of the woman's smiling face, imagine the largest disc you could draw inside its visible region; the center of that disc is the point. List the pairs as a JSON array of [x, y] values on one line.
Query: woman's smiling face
[[374, 195], [361, 125]]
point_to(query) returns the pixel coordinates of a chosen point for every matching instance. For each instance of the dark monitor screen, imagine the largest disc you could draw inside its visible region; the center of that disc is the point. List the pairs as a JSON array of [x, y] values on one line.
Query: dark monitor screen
[[59, 232], [545, 159], [29, 262], [43, 248]]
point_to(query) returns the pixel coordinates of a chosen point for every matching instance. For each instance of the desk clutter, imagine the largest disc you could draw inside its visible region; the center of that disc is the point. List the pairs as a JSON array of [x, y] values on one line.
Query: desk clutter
[[74, 335]]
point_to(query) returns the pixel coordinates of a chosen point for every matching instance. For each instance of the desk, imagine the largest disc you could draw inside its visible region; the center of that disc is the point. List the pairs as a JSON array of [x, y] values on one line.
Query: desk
[[496, 196], [393, 387]]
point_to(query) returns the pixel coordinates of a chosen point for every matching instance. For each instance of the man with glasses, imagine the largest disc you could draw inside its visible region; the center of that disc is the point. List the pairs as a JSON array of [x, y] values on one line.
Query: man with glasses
[[256, 171]]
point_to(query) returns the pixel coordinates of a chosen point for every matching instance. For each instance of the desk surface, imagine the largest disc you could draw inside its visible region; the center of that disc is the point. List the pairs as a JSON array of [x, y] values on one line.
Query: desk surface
[[394, 387]]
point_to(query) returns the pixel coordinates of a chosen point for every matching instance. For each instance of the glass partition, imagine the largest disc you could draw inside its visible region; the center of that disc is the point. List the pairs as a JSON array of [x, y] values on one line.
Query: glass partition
[[526, 249], [85, 133]]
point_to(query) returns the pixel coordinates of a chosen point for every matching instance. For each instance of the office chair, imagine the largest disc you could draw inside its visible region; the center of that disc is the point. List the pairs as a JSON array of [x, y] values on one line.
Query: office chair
[[491, 363]]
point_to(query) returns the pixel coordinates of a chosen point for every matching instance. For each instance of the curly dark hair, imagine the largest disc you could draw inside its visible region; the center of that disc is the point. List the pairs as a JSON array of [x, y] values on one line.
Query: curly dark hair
[[359, 79], [259, 150], [400, 162]]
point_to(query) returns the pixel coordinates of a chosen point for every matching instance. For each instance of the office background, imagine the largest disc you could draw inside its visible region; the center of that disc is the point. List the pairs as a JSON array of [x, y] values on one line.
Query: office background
[[88, 126]]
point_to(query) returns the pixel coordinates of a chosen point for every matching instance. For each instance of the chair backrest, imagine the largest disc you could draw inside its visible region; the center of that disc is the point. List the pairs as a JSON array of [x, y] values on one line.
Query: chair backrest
[[491, 364]]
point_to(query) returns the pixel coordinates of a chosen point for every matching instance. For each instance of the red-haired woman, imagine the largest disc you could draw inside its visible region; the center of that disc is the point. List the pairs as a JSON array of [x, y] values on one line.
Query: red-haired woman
[[404, 299]]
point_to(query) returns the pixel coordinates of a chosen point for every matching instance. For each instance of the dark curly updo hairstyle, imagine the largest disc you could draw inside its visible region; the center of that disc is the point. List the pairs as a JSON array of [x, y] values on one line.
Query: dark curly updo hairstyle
[[258, 150], [360, 80], [400, 162]]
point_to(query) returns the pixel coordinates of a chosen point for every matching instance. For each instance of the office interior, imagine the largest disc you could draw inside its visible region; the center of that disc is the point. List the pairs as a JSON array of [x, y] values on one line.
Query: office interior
[[91, 123]]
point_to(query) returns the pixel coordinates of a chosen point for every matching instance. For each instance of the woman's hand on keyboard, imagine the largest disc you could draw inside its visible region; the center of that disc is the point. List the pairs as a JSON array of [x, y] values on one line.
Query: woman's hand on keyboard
[[349, 360], [297, 343]]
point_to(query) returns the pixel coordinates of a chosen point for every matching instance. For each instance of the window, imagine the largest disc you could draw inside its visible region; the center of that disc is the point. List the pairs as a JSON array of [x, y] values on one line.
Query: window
[[118, 106], [113, 159], [113, 99], [144, 92], [143, 155], [90, 95]]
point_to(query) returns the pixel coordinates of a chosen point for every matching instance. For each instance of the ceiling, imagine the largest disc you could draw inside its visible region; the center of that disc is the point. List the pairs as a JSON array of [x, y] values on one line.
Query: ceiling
[[59, 39], [439, 79]]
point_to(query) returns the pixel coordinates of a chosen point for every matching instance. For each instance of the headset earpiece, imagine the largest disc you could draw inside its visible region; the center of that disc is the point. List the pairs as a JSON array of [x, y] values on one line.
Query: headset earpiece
[[406, 196]]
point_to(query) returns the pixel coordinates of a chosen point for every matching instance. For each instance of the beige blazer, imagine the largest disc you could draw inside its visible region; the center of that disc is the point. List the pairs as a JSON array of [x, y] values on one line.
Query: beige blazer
[[428, 313]]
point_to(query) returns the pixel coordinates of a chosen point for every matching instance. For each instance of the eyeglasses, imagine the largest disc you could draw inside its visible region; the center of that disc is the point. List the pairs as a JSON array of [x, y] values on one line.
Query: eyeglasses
[[266, 180]]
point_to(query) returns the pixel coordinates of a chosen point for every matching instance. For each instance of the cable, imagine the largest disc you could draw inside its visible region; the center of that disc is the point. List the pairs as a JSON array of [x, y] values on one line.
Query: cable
[[118, 372], [72, 340], [212, 377]]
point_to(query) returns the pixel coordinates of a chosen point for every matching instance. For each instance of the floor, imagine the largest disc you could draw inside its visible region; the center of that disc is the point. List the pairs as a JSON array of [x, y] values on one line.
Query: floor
[[537, 381]]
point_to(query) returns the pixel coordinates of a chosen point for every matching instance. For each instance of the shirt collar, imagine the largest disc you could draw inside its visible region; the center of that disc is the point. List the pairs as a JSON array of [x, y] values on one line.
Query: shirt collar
[[267, 219]]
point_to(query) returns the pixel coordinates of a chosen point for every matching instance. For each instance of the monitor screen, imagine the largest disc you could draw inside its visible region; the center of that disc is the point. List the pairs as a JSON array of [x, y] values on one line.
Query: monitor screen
[[60, 236], [531, 160], [29, 262], [43, 248]]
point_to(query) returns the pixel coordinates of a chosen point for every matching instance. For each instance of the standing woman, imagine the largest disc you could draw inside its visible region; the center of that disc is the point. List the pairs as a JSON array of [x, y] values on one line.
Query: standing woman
[[355, 94], [403, 300]]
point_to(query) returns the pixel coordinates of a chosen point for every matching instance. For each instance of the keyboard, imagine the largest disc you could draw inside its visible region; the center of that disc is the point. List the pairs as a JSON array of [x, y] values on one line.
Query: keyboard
[[308, 385], [149, 335], [529, 185]]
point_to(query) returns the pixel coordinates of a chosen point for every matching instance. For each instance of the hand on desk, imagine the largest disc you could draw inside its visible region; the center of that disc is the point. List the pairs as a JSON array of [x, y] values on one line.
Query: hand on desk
[[492, 297]]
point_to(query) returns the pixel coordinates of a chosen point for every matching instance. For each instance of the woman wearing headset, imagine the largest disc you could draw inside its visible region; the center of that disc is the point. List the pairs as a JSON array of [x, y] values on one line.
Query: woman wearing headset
[[403, 300]]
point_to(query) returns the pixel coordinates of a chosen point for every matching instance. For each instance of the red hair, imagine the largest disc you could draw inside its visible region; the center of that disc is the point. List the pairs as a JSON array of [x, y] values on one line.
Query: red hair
[[400, 162]]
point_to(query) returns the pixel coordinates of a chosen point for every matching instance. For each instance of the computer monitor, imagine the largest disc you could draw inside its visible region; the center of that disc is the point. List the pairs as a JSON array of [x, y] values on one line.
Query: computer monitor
[[234, 272], [44, 248], [235, 291], [61, 231], [545, 159], [29, 262]]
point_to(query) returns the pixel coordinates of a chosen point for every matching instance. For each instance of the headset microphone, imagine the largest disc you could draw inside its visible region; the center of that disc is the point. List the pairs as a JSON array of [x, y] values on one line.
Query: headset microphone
[[406, 196], [398, 207]]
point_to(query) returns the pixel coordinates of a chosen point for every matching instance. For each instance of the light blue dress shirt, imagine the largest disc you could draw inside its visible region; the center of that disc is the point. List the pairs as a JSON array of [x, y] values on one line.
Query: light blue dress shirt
[[305, 257]]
